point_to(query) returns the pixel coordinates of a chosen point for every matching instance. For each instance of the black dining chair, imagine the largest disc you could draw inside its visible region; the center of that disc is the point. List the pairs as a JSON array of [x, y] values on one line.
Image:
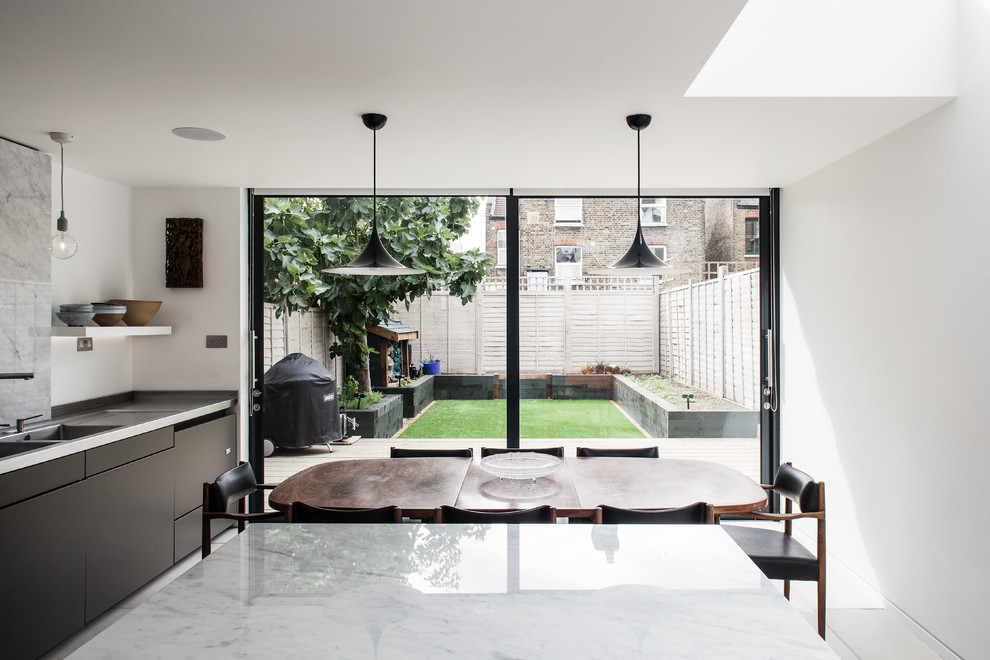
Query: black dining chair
[[698, 513], [300, 512], [618, 452], [553, 451], [540, 514], [776, 552], [232, 486], [403, 452]]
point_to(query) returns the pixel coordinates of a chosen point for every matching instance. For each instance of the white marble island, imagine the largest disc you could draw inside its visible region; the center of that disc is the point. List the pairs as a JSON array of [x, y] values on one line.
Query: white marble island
[[467, 591]]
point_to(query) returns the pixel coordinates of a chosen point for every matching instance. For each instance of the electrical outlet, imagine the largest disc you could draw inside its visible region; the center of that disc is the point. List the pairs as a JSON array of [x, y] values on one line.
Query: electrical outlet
[[84, 343], [216, 341]]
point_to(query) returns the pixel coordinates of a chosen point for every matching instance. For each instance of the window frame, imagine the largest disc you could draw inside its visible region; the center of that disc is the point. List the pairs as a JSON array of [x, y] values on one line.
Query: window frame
[[579, 262], [748, 240], [501, 249], [559, 209], [661, 203]]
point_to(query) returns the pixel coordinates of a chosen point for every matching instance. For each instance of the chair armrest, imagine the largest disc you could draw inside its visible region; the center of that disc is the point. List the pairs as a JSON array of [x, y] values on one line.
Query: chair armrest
[[756, 515], [268, 515]]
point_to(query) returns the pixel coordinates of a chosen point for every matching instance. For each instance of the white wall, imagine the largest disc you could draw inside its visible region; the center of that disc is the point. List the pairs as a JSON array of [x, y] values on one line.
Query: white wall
[[884, 268], [182, 361], [99, 214]]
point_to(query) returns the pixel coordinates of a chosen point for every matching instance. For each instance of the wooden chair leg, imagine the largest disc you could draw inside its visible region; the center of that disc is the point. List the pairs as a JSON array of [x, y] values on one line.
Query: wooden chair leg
[[821, 608], [206, 522], [207, 539], [787, 589]]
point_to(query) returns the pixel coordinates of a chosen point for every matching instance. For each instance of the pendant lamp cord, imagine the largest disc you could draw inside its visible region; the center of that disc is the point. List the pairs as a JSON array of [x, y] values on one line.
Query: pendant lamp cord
[[637, 176], [61, 180], [374, 180]]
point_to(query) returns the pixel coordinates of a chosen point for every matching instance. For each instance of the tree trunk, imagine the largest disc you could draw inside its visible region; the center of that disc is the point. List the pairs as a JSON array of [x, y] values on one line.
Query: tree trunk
[[364, 373]]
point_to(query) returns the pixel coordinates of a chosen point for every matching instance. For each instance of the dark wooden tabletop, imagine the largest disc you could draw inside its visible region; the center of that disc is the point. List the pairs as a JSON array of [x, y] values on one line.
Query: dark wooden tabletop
[[661, 483], [418, 485]]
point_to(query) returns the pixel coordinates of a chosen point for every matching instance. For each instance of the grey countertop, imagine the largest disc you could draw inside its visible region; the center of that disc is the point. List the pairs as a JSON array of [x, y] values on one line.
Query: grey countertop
[[140, 413]]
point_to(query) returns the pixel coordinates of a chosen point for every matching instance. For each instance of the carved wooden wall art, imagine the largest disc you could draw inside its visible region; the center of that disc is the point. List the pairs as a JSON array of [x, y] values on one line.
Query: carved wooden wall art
[[184, 253]]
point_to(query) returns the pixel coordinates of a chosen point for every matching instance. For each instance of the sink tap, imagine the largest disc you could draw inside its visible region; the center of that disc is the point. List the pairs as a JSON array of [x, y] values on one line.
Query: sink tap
[[21, 420], [27, 375]]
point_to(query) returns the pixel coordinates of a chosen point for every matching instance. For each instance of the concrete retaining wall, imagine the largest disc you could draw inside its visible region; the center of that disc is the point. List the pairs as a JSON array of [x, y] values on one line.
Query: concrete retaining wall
[[450, 386], [381, 420], [415, 396], [662, 420]]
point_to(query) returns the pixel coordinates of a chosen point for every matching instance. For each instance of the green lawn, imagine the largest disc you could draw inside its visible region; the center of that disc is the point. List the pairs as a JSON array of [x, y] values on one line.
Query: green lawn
[[592, 418]]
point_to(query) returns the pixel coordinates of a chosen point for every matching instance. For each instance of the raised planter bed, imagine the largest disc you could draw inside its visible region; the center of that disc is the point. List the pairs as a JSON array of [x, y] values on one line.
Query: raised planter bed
[[415, 396], [456, 386], [559, 386], [583, 386], [662, 420], [380, 420]]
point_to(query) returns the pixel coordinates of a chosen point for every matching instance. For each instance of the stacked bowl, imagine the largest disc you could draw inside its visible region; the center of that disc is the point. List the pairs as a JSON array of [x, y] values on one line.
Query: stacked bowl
[[139, 312], [108, 314], [75, 314]]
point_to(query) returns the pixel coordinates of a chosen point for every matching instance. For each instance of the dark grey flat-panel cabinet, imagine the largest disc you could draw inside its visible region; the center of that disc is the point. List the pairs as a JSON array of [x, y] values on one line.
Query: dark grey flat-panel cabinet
[[202, 452], [130, 536], [43, 568]]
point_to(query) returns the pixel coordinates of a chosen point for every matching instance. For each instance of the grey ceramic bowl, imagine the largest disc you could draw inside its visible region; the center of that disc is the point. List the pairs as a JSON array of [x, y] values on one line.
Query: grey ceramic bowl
[[76, 307], [74, 319]]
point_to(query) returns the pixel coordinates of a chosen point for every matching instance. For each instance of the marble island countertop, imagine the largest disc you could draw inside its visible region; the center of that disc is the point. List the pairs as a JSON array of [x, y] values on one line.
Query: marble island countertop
[[138, 413], [467, 591]]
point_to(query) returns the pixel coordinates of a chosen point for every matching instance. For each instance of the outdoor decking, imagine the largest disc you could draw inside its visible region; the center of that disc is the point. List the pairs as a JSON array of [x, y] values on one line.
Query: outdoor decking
[[740, 454]]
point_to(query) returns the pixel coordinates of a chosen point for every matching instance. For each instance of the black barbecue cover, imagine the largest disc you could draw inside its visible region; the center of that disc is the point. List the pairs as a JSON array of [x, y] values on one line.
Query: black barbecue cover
[[301, 406]]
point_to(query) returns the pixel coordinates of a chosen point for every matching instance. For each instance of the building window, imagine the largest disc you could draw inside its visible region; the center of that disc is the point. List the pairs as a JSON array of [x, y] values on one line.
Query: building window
[[752, 237], [567, 261], [660, 251], [502, 253], [567, 211], [653, 210]]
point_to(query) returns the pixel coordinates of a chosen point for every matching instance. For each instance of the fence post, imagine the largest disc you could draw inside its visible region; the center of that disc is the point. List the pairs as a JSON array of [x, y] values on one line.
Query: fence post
[[670, 338], [479, 325], [657, 289], [721, 324], [567, 330], [690, 328]]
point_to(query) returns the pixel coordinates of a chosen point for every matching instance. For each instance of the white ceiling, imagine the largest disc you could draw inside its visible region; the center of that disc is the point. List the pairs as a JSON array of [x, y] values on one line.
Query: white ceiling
[[480, 96]]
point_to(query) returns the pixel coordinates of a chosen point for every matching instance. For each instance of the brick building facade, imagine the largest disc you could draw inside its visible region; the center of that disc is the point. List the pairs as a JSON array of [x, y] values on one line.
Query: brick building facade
[[574, 237]]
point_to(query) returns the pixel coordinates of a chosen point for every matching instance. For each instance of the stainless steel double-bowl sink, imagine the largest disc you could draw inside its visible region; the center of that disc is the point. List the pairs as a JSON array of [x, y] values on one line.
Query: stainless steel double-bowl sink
[[16, 443]]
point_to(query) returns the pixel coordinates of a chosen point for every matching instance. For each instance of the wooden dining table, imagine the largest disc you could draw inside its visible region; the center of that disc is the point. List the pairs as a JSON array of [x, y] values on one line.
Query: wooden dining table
[[575, 489]]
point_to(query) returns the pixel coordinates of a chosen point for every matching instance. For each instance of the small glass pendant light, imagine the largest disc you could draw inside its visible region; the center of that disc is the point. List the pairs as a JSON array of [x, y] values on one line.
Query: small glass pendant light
[[374, 259], [62, 246]]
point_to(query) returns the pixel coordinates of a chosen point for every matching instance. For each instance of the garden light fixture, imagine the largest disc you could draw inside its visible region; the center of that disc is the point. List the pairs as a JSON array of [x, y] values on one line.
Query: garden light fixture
[[374, 259]]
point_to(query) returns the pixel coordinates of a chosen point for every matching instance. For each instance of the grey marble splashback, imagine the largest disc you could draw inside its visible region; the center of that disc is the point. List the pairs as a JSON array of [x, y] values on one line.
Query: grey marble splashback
[[25, 280]]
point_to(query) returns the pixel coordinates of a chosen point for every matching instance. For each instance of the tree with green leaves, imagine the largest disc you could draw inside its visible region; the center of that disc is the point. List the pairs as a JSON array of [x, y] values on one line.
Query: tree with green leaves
[[305, 235]]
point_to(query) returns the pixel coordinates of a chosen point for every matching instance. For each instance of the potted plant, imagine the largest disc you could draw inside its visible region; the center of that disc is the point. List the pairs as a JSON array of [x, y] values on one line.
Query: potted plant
[[431, 366]]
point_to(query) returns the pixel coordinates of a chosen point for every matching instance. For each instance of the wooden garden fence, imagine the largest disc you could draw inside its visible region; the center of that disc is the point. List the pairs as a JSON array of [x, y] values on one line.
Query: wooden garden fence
[[703, 334]]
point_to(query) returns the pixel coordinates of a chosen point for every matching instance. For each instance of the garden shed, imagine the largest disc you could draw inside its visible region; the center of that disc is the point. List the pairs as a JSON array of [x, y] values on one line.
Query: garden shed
[[391, 363]]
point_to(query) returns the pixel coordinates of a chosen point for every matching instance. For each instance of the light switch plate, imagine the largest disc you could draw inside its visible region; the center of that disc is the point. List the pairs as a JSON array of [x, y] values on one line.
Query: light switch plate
[[216, 341], [84, 343]]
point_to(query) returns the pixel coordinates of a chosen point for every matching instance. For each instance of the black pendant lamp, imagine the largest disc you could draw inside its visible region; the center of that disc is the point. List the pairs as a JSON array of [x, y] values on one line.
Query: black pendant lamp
[[374, 259], [639, 259]]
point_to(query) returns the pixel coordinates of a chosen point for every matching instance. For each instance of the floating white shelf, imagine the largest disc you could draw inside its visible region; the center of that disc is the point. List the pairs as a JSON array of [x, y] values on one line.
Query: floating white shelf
[[101, 331]]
